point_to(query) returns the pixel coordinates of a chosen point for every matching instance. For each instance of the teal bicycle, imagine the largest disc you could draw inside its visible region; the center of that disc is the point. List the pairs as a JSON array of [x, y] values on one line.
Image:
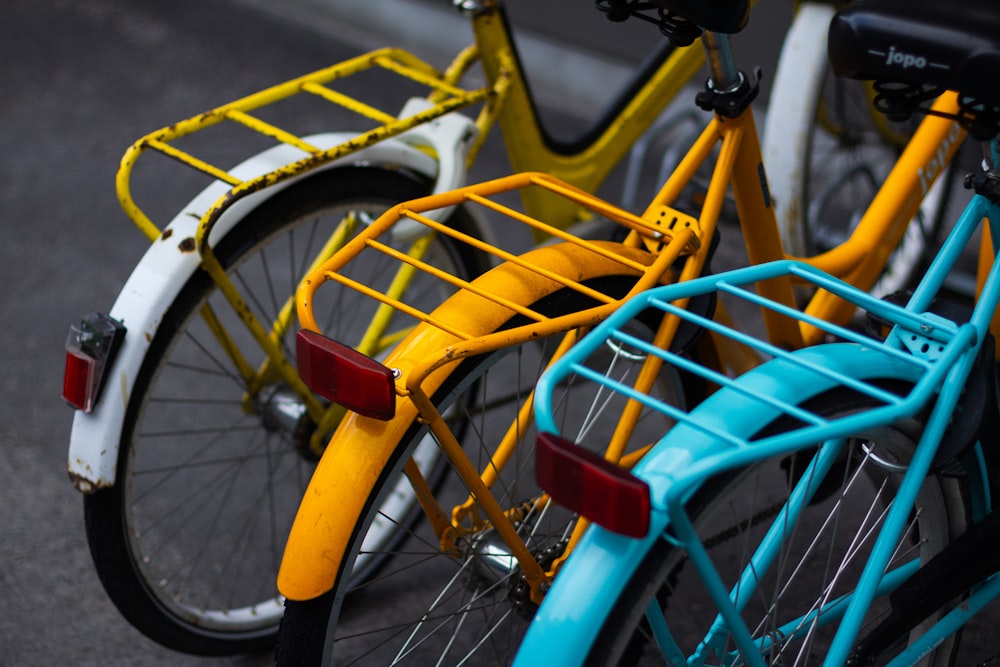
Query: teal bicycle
[[835, 505]]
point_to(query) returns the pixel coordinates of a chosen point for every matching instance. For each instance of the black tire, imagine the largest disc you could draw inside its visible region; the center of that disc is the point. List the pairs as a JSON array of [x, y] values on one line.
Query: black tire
[[188, 541], [377, 622], [731, 514]]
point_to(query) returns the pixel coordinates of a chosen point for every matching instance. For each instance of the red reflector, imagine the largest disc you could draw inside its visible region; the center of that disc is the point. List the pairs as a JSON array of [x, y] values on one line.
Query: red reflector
[[589, 485], [78, 390], [91, 346], [345, 376]]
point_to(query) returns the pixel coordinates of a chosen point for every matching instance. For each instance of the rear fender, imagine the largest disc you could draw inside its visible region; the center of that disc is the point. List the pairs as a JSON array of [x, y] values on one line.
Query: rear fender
[[166, 267], [362, 448]]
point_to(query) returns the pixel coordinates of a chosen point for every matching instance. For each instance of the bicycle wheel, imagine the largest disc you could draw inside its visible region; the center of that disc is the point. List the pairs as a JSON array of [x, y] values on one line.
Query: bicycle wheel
[[820, 557], [827, 152], [210, 471], [428, 606]]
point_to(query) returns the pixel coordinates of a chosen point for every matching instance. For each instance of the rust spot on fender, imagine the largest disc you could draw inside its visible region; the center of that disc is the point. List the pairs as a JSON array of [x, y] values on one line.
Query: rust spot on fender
[[167, 233], [187, 245], [84, 485]]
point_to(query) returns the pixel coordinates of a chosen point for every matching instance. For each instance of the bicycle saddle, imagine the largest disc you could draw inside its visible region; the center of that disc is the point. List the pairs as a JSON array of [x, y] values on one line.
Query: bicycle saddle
[[938, 44], [726, 16]]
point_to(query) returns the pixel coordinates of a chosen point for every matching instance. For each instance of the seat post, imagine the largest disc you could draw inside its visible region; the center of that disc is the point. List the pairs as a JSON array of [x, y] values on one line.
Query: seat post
[[724, 75], [991, 156]]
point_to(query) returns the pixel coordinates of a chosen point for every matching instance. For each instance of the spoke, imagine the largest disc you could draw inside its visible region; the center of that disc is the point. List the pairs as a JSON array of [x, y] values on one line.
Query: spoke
[[196, 401], [833, 517], [201, 370], [180, 466], [451, 640], [208, 463], [307, 255], [224, 368], [486, 637], [597, 406], [184, 434], [226, 484], [461, 613], [426, 617]]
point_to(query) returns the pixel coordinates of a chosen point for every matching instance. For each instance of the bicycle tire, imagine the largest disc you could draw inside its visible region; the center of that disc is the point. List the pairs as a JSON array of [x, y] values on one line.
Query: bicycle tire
[[663, 573], [827, 152], [481, 586], [187, 546]]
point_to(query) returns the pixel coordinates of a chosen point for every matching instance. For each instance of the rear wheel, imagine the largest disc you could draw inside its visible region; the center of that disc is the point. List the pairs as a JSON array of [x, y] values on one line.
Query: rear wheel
[[211, 469], [820, 557], [430, 607]]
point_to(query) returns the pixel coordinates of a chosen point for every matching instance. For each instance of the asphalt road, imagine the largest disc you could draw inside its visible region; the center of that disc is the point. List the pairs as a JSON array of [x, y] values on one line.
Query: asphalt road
[[81, 81]]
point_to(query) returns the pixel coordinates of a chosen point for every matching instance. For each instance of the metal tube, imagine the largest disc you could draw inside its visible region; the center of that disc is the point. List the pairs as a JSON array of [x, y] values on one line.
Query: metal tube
[[725, 75]]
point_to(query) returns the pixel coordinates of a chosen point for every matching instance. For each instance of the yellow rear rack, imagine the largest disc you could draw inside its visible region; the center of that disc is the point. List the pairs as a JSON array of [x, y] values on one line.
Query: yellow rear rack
[[441, 90], [508, 290]]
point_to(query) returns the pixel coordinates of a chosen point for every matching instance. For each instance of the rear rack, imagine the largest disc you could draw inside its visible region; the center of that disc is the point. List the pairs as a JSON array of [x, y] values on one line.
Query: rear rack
[[441, 91], [670, 234], [923, 348]]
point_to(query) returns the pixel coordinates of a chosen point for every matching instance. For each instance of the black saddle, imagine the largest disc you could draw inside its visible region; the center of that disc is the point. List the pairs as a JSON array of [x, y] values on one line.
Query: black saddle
[[726, 16], [943, 45]]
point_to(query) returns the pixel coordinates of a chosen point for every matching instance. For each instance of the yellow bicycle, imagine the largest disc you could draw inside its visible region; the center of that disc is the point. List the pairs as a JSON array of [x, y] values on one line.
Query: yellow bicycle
[[194, 437]]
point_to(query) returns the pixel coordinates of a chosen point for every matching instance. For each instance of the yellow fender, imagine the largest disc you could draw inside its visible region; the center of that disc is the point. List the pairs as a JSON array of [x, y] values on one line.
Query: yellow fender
[[361, 447]]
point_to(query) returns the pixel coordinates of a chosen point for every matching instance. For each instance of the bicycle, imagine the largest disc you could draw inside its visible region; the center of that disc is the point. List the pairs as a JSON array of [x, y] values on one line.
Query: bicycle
[[499, 545], [207, 364], [834, 505]]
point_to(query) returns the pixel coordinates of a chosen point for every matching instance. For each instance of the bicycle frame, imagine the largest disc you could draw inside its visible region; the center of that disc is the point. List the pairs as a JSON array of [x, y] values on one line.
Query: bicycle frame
[[586, 161], [308, 568], [430, 136]]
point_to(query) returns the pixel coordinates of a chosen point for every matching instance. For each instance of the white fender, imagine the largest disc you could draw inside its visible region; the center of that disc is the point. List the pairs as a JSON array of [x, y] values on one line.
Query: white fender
[[164, 269], [797, 85]]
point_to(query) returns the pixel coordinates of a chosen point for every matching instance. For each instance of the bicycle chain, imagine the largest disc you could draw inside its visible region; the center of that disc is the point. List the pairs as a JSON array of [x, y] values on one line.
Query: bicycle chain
[[520, 591]]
